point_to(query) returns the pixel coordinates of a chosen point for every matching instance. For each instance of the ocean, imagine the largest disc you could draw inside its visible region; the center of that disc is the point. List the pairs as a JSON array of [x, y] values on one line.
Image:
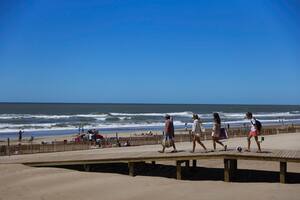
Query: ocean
[[46, 119]]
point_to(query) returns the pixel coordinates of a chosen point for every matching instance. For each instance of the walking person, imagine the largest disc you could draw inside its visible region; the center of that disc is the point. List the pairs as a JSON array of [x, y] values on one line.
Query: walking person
[[216, 131], [169, 133], [196, 132], [254, 131]]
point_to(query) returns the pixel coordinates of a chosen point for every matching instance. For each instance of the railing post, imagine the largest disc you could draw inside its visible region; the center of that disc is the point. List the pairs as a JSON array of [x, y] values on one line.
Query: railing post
[[8, 147], [194, 163], [226, 170], [283, 172], [87, 167], [187, 163], [178, 170], [131, 168]]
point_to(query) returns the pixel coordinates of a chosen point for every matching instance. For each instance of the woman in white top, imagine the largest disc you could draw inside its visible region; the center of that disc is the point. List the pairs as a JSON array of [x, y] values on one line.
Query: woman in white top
[[216, 132], [254, 132], [196, 132]]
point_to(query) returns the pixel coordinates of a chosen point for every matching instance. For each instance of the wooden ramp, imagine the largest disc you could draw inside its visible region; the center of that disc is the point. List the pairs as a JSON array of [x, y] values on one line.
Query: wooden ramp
[[87, 158]]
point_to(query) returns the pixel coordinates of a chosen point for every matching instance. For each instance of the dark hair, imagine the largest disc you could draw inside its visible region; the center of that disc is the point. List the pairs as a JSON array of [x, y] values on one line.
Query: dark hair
[[195, 116], [167, 116], [217, 118], [249, 114]]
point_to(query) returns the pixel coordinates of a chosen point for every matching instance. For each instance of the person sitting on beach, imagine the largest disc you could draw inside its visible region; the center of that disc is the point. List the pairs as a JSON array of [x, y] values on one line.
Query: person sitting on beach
[[216, 131], [169, 132], [254, 132], [196, 132]]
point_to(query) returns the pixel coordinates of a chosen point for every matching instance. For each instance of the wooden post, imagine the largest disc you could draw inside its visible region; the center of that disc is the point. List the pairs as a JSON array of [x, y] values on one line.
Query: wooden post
[[233, 165], [131, 168], [194, 163], [283, 170], [87, 168], [8, 147], [226, 170], [178, 170], [187, 163]]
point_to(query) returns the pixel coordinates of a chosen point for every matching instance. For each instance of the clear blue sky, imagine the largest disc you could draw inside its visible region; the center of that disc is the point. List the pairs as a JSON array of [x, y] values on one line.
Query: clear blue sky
[[154, 51]]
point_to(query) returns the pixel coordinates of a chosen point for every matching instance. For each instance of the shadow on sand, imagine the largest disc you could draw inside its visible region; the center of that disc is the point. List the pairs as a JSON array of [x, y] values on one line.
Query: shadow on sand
[[190, 173]]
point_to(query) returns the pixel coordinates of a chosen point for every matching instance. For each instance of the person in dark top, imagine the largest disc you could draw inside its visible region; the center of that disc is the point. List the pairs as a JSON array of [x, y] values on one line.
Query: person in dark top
[[216, 130], [169, 133], [20, 135]]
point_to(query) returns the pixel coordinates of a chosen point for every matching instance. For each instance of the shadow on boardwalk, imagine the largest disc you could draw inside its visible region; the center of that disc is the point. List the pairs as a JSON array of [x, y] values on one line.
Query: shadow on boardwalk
[[193, 174]]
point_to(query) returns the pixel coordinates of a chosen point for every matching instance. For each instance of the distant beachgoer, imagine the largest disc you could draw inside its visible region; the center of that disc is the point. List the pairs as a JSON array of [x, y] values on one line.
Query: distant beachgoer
[[228, 126], [254, 131], [127, 144], [216, 131], [20, 135], [90, 136], [196, 132], [186, 126], [31, 138], [169, 132]]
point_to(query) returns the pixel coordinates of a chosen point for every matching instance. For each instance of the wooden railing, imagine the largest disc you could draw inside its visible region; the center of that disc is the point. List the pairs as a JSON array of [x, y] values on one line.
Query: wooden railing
[[181, 136]]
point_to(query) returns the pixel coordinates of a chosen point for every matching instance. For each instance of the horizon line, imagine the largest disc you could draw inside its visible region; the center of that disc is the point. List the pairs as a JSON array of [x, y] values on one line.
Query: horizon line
[[135, 103]]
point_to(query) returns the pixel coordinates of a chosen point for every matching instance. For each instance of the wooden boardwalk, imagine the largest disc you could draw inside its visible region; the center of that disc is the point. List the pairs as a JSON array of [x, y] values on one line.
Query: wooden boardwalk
[[96, 157]]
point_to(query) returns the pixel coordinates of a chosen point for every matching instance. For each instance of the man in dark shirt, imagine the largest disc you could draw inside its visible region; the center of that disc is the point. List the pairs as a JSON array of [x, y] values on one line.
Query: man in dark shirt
[[20, 135], [169, 133]]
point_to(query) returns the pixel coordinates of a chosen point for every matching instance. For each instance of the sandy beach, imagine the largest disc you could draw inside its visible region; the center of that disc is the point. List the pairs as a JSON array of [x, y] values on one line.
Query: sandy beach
[[23, 182], [71, 137]]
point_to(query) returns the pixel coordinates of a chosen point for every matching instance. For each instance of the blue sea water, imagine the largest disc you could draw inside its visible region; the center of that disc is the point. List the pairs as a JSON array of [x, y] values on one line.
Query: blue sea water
[[45, 119]]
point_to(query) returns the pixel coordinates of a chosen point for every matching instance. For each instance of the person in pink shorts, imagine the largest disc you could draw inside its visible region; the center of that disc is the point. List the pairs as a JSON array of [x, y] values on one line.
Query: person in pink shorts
[[254, 132]]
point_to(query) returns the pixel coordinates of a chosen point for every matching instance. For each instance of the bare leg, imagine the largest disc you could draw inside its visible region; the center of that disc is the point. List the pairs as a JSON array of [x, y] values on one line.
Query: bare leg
[[198, 140], [217, 141], [173, 144], [194, 144], [214, 144], [249, 142], [163, 150], [258, 143]]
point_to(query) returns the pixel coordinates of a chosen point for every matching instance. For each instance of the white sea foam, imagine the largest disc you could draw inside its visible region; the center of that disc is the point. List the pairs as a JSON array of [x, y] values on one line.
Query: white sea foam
[[182, 114], [126, 120], [46, 125], [92, 115], [51, 126], [26, 116], [271, 114], [4, 128], [38, 116], [102, 117]]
